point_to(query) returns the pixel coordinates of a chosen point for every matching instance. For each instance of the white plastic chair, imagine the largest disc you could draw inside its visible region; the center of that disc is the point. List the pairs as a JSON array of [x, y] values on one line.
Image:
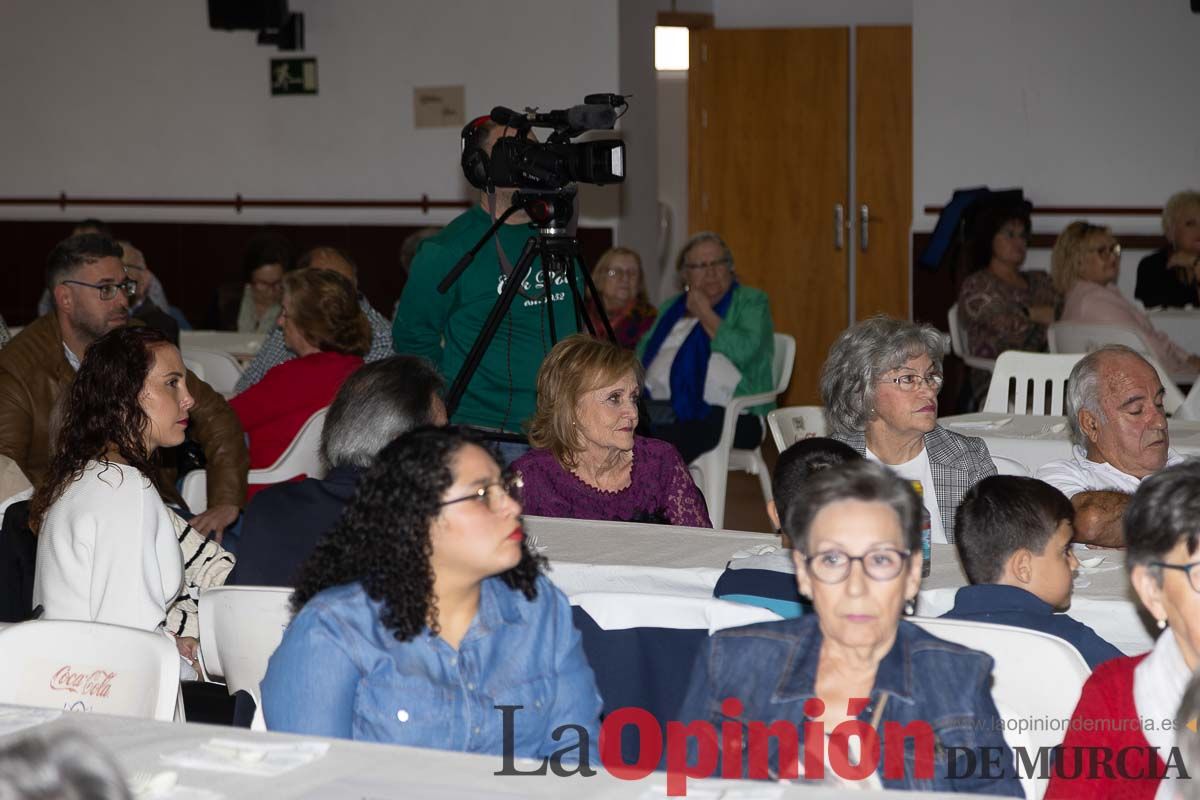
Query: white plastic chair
[[193, 366], [1037, 383], [790, 425], [1037, 677], [89, 666], [1010, 466], [1079, 337], [960, 345], [240, 627], [711, 469], [302, 457], [219, 370]]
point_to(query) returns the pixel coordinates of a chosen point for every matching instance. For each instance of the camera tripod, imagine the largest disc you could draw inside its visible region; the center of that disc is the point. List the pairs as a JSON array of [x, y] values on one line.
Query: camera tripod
[[559, 253]]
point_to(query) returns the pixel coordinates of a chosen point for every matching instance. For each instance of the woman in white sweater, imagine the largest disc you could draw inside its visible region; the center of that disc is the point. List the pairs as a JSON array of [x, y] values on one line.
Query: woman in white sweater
[[107, 545]]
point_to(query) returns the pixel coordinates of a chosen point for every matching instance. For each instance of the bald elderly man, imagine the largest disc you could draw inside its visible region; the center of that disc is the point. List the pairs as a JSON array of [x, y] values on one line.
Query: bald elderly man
[[1119, 426], [274, 352]]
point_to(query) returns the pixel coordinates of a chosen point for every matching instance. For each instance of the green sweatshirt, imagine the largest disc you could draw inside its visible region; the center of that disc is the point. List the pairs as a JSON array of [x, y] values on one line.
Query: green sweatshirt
[[442, 327]]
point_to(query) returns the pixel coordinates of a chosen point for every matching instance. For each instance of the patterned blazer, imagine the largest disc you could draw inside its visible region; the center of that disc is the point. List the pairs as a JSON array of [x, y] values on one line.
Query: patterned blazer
[[957, 462]]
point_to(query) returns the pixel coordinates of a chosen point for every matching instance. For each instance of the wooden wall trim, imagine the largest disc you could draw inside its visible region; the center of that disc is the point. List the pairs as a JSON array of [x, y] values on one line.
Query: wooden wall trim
[[1083, 211], [684, 19], [237, 202]]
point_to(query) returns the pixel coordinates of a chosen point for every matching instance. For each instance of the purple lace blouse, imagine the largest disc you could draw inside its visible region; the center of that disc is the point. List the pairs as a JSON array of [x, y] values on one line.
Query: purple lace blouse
[[660, 490]]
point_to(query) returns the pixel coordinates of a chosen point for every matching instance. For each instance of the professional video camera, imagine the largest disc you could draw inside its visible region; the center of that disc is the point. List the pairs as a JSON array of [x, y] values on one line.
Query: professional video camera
[[519, 161]]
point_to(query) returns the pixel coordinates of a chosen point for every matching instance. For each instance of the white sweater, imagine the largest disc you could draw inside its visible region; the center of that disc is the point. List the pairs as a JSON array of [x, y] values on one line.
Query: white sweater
[[107, 551]]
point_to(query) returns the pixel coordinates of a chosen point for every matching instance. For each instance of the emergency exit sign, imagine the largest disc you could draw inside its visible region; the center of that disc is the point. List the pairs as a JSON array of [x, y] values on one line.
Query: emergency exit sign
[[293, 76]]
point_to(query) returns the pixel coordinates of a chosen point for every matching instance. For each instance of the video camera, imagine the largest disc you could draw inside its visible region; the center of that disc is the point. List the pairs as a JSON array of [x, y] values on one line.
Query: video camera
[[519, 161]]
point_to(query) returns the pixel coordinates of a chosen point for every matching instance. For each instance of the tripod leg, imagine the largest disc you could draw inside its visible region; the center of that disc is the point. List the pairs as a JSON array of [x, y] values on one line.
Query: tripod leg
[[590, 286], [490, 326]]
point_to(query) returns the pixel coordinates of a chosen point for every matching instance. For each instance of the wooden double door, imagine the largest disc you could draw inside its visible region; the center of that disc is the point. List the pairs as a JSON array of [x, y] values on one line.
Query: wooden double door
[[770, 157]]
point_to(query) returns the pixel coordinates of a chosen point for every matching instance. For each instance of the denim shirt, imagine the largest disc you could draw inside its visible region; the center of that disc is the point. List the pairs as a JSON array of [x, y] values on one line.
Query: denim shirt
[[340, 672], [772, 668]]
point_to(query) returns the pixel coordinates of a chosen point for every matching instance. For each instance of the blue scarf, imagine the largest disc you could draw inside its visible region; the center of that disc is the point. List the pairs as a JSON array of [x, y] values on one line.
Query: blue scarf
[[690, 367]]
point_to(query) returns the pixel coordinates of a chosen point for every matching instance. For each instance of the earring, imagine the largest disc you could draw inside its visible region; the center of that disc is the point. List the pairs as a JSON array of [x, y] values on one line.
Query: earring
[[910, 607], [1162, 624]]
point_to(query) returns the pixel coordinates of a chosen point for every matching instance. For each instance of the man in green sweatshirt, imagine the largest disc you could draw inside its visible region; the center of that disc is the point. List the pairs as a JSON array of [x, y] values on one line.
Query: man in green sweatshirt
[[442, 327]]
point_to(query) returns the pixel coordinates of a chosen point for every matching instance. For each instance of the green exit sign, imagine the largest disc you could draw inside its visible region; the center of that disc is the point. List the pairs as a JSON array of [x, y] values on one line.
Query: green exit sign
[[293, 76]]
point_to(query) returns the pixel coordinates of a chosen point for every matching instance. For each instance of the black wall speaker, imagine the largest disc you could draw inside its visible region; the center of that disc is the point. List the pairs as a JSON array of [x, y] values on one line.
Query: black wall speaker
[[247, 15]]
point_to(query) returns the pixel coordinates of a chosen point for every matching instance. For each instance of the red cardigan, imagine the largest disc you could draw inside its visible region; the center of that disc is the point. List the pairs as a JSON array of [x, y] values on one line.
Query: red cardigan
[[1107, 701], [273, 410]]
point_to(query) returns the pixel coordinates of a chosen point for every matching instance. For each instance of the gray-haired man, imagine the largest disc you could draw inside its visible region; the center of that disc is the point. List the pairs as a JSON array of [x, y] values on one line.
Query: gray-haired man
[[1119, 426]]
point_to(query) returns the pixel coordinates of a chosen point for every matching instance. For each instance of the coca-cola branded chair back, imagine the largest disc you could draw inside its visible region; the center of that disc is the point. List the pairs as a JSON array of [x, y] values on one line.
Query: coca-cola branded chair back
[[89, 666]]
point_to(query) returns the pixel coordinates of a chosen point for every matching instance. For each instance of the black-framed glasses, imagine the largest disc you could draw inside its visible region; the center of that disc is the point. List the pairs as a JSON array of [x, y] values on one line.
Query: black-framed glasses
[[911, 381], [833, 566], [108, 290], [493, 494], [1186, 569]]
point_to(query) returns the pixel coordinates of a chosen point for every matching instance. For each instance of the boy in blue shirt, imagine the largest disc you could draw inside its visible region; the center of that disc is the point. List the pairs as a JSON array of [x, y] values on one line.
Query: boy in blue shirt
[[1014, 540]]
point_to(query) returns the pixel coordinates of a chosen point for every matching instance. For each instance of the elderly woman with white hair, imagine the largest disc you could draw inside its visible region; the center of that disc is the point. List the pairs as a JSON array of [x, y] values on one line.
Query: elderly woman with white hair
[[1171, 276], [879, 387], [710, 344]]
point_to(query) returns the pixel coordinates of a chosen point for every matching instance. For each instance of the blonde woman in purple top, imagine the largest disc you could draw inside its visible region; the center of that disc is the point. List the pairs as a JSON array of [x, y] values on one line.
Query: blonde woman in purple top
[[586, 462]]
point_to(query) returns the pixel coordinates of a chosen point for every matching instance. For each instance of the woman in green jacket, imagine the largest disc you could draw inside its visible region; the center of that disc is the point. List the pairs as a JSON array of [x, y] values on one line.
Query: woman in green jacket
[[713, 342]]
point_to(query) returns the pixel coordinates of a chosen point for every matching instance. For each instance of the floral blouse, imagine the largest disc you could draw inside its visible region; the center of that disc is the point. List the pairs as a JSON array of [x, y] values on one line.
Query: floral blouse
[[996, 313]]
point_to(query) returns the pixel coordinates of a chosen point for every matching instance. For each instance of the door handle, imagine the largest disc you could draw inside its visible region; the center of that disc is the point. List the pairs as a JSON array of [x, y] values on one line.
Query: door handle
[[864, 220], [839, 226]]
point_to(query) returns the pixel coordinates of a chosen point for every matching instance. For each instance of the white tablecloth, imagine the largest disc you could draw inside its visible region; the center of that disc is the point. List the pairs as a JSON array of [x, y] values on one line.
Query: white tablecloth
[[386, 772], [1103, 598], [232, 342], [649, 560], [1033, 440], [588, 556]]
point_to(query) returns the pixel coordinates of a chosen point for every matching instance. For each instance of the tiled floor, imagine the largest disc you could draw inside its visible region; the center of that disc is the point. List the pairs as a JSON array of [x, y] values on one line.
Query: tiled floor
[[744, 505]]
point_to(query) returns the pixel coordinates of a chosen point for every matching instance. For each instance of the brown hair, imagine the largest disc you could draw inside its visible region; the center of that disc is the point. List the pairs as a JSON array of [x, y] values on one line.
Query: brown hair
[[1066, 259], [575, 365], [325, 308], [599, 278]]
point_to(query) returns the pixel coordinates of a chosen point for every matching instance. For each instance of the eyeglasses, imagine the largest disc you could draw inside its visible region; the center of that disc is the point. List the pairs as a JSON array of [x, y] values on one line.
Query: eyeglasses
[[109, 290], [911, 381], [704, 266], [1186, 569], [494, 493], [833, 566], [1107, 250], [631, 274]]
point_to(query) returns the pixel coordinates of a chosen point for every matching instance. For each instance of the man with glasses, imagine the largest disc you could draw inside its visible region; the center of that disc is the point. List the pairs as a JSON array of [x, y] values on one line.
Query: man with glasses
[[141, 305], [91, 297], [1119, 427]]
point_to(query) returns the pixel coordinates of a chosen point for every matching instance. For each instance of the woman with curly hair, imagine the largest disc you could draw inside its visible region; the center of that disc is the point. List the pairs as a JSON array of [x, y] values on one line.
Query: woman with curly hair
[[107, 548], [323, 324], [424, 610]]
